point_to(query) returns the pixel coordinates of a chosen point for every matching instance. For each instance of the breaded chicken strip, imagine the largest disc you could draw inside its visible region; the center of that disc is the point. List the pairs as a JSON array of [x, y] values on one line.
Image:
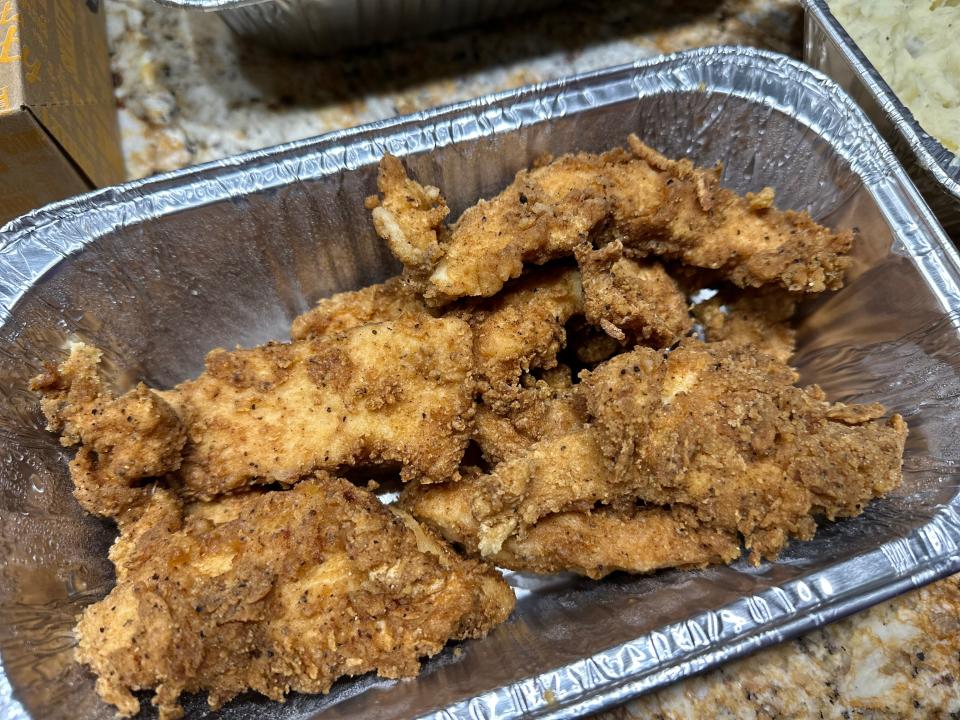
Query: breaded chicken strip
[[547, 408], [632, 301], [409, 217], [723, 429], [122, 439], [278, 592], [759, 319], [591, 542], [520, 330], [655, 206], [395, 392], [558, 473], [542, 215], [712, 427], [390, 300]]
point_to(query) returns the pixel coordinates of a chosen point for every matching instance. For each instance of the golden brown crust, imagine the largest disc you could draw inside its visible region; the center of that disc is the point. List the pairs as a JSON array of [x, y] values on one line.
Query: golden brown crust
[[723, 429], [398, 392], [277, 592], [655, 206], [556, 474], [520, 330], [548, 408], [592, 542], [759, 319], [409, 217], [137, 435], [389, 300], [745, 239], [632, 301], [393, 392]]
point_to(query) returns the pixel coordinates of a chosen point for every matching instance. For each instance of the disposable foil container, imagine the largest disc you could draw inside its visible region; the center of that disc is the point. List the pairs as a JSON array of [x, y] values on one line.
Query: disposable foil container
[[934, 168], [322, 27], [157, 272]]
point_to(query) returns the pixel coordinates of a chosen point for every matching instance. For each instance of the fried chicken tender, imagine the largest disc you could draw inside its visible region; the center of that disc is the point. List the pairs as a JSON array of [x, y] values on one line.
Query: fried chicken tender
[[409, 217], [723, 429], [631, 301], [390, 300], [558, 473], [122, 439], [655, 206], [592, 542], [548, 408], [744, 239], [759, 319], [393, 392], [520, 330], [277, 592], [542, 215]]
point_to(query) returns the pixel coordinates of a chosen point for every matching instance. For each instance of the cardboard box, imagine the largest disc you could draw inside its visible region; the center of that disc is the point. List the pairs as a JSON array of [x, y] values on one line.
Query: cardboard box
[[58, 119]]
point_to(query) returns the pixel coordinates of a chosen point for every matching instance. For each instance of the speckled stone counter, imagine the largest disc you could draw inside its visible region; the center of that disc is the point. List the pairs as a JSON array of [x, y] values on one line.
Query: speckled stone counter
[[188, 92]]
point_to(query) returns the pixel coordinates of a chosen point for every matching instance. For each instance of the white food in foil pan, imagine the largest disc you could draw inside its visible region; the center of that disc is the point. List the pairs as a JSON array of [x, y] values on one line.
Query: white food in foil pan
[[934, 168], [157, 272], [914, 46]]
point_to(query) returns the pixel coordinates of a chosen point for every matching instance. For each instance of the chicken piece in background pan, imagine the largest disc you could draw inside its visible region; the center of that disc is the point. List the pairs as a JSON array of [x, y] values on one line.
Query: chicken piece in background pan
[[654, 205], [276, 592]]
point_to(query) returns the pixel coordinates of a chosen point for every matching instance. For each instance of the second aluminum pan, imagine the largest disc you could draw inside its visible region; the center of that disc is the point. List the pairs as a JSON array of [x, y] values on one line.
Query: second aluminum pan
[[157, 272], [935, 170], [323, 27]]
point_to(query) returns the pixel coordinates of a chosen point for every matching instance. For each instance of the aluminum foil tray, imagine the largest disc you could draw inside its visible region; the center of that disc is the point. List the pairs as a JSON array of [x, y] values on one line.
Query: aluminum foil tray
[[320, 27], [157, 272], [934, 169]]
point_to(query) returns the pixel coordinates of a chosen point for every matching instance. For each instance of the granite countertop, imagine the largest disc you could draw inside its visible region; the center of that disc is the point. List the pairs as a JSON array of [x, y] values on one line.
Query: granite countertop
[[188, 92]]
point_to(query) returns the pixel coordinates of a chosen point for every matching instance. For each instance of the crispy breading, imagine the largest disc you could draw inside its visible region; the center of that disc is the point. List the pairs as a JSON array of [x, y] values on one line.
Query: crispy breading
[[759, 319], [743, 238], [593, 542], [555, 474], [540, 216], [520, 330], [277, 592], [392, 392], [409, 217], [548, 408], [389, 300], [398, 392], [122, 439], [723, 429], [655, 206], [632, 301]]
